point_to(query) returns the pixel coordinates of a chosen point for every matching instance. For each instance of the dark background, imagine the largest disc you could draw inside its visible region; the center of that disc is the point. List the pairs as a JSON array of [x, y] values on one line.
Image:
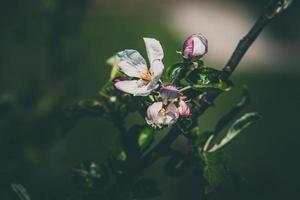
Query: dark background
[[52, 53]]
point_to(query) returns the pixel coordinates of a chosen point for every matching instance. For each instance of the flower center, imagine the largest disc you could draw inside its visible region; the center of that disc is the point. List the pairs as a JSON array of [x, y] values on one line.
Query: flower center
[[146, 75], [163, 111]]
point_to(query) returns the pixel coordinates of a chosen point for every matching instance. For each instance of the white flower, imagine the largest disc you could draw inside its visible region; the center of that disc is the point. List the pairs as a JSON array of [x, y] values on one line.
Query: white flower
[[169, 94], [134, 65], [158, 115]]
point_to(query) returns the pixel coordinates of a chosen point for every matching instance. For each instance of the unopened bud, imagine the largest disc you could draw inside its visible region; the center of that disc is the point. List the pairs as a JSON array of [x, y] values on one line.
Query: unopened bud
[[195, 47], [183, 109]]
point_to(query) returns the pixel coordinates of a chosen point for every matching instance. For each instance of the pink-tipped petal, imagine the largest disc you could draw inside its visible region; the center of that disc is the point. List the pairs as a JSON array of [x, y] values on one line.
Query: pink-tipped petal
[[183, 109]]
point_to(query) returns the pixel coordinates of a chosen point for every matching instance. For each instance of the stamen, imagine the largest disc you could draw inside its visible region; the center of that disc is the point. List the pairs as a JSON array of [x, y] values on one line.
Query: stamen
[[163, 111]]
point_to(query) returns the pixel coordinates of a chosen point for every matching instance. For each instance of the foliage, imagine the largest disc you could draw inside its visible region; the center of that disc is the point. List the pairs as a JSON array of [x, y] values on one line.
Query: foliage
[[240, 124], [205, 78]]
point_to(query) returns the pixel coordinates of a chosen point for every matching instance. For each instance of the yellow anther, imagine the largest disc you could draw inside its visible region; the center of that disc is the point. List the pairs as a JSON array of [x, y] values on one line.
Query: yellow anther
[[146, 75]]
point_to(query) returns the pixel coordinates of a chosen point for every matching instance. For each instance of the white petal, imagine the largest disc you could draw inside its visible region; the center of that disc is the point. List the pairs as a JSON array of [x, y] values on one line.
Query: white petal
[[157, 69], [131, 62], [172, 114], [169, 93], [153, 113], [135, 87], [154, 49], [199, 47], [155, 54], [155, 117], [172, 108]]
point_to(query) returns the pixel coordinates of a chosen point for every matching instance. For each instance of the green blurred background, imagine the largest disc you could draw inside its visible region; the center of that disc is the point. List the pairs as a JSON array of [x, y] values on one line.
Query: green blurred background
[[53, 53]]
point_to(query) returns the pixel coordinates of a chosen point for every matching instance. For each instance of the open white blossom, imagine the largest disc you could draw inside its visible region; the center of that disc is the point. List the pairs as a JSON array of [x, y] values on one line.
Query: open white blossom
[[158, 115], [134, 65]]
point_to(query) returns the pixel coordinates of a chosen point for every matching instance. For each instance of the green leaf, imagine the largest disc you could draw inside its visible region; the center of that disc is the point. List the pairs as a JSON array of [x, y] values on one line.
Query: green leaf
[[121, 156], [145, 138], [204, 78], [199, 64], [214, 170], [20, 191], [239, 125], [201, 138], [172, 71]]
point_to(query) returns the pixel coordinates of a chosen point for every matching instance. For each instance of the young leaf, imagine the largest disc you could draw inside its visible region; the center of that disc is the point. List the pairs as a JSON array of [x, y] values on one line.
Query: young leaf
[[204, 78], [20, 191], [172, 71], [214, 170], [145, 138], [239, 125]]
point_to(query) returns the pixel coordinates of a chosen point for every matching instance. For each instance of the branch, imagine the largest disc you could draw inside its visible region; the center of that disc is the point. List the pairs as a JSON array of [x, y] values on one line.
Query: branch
[[275, 8]]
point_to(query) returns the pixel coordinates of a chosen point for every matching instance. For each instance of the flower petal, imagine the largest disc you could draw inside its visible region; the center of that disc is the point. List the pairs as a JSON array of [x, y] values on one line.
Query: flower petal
[[154, 50], [135, 87], [153, 116], [183, 109], [169, 93], [155, 54], [172, 114], [200, 46], [157, 69], [131, 62]]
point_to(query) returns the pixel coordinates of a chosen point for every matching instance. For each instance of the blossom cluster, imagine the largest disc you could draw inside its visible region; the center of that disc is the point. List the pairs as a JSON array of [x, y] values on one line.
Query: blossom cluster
[[171, 104]]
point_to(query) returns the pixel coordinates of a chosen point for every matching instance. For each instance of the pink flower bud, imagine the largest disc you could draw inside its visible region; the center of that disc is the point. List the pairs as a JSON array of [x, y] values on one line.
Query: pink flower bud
[[195, 47], [183, 109]]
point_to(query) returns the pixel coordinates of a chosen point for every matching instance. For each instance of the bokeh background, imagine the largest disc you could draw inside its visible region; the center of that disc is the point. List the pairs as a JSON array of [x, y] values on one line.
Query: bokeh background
[[53, 53]]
